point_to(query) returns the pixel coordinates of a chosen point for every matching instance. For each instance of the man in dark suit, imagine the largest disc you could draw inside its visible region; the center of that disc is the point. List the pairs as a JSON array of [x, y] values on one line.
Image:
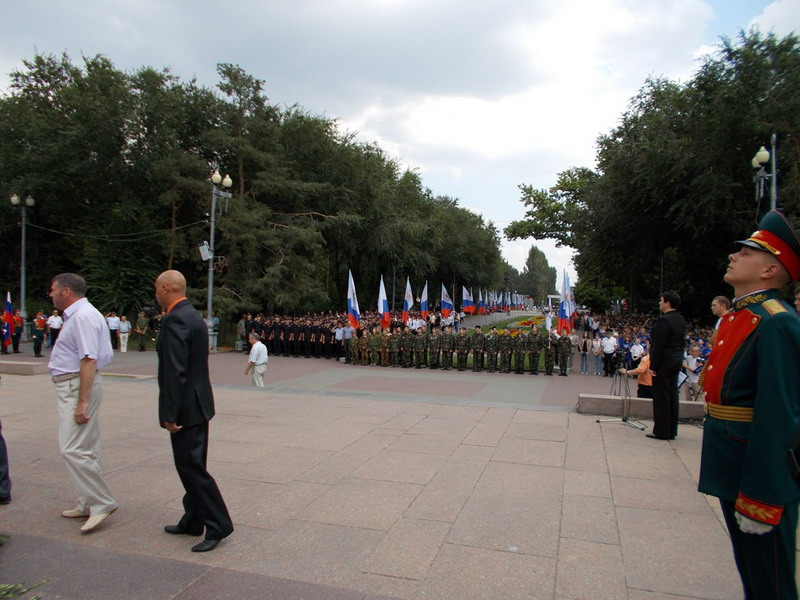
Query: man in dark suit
[[185, 406], [666, 358]]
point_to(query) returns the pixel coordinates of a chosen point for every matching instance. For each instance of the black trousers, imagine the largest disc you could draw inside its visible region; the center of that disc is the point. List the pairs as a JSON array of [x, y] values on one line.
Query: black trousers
[[766, 562], [5, 480], [15, 339], [665, 398], [203, 505]]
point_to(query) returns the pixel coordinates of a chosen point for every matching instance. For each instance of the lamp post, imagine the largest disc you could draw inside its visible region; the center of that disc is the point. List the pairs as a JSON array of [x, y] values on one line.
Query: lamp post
[[216, 178], [761, 158], [23, 207]]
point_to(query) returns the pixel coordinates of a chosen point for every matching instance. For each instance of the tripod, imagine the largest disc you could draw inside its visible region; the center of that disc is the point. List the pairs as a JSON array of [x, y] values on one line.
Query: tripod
[[620, 387]]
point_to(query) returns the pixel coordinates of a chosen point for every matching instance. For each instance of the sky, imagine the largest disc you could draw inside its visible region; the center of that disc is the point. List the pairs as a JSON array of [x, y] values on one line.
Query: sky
[[478, 97]]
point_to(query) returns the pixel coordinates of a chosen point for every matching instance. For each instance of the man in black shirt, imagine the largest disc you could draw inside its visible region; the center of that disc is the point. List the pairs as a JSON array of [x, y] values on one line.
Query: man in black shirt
[[666, 358]]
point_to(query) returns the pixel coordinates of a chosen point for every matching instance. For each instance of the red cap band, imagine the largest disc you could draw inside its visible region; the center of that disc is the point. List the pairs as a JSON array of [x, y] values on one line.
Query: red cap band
[[782, 251]]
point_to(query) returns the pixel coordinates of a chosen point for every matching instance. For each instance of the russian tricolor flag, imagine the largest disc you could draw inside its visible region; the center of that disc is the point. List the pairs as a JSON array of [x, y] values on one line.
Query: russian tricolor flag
[[353, 314], [467, 303], [566, 307], [423, 304], [408, 301], [383, 307], [8, 321], [447, 303]]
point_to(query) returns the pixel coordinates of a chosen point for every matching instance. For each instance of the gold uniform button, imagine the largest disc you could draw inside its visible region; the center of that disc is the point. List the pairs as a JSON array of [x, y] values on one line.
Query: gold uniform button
[[731, 319], [720, 342], [710, 367], [755, 320]]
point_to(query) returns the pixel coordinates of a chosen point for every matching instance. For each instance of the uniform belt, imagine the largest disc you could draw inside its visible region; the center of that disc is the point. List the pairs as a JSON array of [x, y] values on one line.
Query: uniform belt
[[65, 377], [740, 414]]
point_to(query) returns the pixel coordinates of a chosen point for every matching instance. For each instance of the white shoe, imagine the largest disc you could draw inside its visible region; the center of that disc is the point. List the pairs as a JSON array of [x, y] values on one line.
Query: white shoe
[[74, 513], [95, 520]]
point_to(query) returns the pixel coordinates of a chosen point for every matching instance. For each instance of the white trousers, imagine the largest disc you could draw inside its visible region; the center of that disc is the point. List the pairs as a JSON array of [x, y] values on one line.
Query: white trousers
[[123, 342], [80, 446], [257, 375]]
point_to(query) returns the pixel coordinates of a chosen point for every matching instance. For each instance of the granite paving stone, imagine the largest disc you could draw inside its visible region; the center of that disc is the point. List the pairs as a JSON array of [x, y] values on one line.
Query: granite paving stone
[[445, 495], [590, 570], [530, 452], [367, 503], [407, 550], [479, 486], [589, 519], [405, 467], [461, 572]]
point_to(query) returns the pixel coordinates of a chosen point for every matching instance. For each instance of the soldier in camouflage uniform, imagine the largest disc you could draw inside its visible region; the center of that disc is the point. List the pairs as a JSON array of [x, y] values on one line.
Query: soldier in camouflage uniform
[[504, 343], [490, 347], [420, 348], [394, 347], [534, 347], [406, 347], [374, 345], [477, 347], [550, 353], [462, 343], [519, 345], [384, 346], [435, 347], [564, 351], [448, 345]]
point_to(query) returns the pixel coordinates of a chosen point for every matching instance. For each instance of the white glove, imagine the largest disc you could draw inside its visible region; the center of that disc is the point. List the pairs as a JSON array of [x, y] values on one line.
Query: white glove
[[748, 525]]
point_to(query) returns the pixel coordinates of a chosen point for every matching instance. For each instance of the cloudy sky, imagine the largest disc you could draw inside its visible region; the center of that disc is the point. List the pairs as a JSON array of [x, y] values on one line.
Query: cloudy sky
[[478, 96]]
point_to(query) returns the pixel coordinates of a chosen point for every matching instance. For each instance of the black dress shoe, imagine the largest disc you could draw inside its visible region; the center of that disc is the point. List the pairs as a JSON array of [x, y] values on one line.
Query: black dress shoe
[[654, 437], [178, 530], [205, 546], [5, 500]]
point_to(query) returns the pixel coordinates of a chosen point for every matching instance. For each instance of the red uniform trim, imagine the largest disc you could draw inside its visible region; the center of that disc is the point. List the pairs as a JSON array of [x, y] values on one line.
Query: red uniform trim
[[733, 331], [759, 511]]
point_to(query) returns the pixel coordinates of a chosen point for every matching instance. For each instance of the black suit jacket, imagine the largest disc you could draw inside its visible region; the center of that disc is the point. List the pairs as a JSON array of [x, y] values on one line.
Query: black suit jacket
[[185, 396], [669, 333]]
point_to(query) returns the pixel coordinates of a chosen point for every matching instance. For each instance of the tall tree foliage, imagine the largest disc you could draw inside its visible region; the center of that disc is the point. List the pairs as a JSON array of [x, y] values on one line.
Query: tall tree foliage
[[119, 165], [673, 184]]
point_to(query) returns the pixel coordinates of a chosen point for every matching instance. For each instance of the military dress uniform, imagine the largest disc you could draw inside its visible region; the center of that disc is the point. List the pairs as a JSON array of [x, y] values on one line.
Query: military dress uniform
[[752, 384]]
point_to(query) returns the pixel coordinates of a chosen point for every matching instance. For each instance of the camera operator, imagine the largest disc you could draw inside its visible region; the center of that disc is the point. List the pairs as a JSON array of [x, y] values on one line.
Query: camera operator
[[644, 379]]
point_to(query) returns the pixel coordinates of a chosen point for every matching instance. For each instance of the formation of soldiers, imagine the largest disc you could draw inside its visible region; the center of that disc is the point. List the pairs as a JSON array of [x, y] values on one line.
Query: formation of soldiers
[[514, 349], [505, 350]]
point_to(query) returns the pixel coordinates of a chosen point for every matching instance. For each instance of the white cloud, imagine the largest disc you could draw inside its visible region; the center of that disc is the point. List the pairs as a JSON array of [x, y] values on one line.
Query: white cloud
[[782, 17]]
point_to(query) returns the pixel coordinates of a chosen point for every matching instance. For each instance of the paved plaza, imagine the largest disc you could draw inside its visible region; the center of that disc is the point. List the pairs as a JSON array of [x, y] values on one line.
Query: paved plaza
[[350, 482]]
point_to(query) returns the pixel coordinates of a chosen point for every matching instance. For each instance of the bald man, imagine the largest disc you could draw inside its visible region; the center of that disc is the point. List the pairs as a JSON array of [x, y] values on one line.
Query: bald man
[[185, 406]]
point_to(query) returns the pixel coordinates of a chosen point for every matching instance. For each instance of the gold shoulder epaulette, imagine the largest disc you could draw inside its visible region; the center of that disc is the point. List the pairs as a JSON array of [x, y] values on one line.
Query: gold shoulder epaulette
[[774, 307]]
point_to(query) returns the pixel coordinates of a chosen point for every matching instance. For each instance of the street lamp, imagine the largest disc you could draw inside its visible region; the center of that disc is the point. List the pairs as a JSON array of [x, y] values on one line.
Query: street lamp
[[761, 158], [23, 207], [216, 178]]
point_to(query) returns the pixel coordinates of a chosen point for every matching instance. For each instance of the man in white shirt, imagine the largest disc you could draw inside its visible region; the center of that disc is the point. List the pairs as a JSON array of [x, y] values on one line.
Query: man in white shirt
[[113, 327], [610, 346], [637, 351], [83, 349], [54, 323], [257, 361]]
